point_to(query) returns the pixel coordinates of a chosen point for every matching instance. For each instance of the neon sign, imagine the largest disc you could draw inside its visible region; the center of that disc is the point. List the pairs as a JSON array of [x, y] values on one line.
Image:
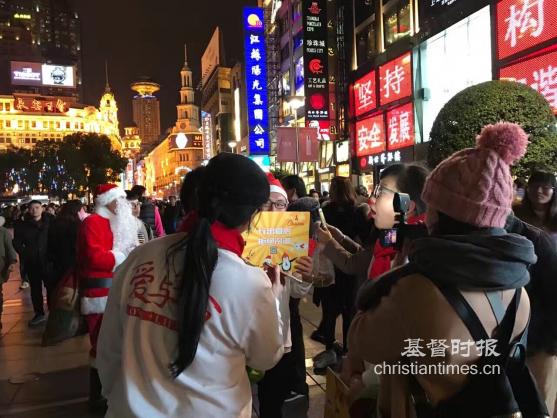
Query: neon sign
[[395, 79], [256, 80], [370, 136]]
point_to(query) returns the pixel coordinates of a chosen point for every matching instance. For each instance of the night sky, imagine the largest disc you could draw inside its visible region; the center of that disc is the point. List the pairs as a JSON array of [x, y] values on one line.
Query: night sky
[[146, 37]]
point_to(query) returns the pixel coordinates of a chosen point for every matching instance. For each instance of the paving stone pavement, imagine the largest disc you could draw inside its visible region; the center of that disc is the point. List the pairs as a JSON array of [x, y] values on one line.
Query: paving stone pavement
[[52, 382]]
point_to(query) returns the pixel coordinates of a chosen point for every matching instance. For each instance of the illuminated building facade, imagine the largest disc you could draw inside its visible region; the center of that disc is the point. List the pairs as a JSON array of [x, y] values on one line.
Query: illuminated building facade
[[182, 150], [42, 31], [146, 112], [27, 119]]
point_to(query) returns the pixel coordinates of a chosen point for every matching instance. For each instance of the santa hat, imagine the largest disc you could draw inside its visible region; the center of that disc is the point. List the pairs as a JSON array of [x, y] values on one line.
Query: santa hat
[[276, 186], [107, 193]]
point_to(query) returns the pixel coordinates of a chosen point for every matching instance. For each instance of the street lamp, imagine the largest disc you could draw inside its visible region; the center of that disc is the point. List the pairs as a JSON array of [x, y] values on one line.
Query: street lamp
[[232, 145], [296, 102]]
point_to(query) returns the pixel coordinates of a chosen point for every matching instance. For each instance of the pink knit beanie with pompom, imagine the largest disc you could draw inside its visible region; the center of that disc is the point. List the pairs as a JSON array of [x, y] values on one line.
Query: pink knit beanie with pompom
[[474, 185]]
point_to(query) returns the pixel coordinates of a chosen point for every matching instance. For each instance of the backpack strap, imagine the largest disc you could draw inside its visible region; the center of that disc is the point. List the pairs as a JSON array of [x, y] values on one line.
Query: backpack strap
[[465, 312]]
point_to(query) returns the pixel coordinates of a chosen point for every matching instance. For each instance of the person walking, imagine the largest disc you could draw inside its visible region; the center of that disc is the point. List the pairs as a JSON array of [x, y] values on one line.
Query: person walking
[[144, 231], [31, 243], [62, 242], [149, 213], [8, 259], [186, 314], [104, 241], [172, 214], [469, 264]]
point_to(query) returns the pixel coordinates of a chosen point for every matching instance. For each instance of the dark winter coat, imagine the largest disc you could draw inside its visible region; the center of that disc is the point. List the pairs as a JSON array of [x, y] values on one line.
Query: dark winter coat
[[542, 289], [147, 213], [62, 246], [31, 241]]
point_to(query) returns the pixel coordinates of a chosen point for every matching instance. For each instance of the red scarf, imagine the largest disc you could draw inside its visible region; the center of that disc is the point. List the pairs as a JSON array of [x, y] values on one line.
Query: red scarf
[[226, 238], [383, 257]]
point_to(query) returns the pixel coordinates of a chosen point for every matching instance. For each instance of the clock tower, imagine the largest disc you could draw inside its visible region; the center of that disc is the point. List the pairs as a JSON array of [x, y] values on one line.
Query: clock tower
[[188, 112]]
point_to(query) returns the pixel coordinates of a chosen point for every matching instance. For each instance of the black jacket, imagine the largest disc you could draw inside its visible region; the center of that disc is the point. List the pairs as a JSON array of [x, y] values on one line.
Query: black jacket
[[31, 241], [147, 213], [62, 246], [542, 289]]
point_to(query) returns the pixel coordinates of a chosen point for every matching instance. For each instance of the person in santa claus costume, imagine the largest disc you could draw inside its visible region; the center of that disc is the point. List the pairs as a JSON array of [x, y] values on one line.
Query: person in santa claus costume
[[104, 241]]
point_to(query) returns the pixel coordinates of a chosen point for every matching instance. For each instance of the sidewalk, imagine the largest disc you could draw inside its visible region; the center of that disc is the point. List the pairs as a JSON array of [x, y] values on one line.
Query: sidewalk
[[52, 382]]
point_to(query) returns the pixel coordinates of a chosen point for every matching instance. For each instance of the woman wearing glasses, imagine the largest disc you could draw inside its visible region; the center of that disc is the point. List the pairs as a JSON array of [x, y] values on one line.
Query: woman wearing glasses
[[539, 206]]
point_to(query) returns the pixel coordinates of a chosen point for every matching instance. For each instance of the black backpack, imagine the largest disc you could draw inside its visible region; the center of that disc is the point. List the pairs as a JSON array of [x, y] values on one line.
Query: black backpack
[[512, 393]]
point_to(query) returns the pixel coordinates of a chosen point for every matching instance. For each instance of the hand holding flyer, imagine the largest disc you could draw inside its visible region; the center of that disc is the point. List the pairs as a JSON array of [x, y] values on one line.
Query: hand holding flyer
[[278, 238]]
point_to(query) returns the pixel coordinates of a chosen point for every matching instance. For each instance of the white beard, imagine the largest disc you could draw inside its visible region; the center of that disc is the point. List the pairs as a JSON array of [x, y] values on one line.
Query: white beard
[[124, 228]]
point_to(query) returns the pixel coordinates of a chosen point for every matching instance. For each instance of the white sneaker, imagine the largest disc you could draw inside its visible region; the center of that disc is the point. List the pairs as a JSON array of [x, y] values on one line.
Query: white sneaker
[[24, 285]]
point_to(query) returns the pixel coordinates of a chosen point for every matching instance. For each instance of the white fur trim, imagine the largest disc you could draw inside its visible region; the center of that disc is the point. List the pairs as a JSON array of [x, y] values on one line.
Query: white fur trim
[[103, 211], [109, 196], [119, 258], [91, 306], [279, 190]]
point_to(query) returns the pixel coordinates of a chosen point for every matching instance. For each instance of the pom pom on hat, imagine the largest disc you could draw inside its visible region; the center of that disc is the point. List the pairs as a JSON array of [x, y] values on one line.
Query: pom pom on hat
[[508, 140]]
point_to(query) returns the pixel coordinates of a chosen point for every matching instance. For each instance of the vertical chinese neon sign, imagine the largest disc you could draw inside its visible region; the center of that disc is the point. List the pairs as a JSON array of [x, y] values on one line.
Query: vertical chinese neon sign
[[256, 80]]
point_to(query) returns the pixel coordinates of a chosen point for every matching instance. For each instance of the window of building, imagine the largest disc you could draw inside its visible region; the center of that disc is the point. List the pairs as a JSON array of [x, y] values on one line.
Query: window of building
[[7, 107], [396, 20], [366, 41], [33, 124]]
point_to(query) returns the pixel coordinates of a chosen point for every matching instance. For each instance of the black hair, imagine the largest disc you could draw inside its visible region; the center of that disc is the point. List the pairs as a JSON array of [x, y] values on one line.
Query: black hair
[[410, 179], [190, 186], [131, 195], [312, 191], [231, 192], [342, 192], [34, 202], [138, 190], [361, 190], [69, 211], [294, 182], [544, 177]]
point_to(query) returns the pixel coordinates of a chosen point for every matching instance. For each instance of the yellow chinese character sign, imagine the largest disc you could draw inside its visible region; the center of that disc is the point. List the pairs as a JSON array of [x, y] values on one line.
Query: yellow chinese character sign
[[277, 238]]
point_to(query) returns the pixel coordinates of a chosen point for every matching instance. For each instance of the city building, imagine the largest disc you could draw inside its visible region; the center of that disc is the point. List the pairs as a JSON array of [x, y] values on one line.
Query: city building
[[240, 119], [26, 119], [409, 58], [146, 112], [216, 93], [182, 150], [40, 40], [307, 80]]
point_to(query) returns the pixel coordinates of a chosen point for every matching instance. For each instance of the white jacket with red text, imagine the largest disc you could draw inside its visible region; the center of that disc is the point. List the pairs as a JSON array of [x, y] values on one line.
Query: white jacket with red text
[[138, 339]]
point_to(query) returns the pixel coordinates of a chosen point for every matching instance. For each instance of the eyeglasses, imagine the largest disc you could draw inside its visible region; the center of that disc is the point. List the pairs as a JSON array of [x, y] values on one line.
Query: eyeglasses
[[135, 204], [379, 190], [279, 204]]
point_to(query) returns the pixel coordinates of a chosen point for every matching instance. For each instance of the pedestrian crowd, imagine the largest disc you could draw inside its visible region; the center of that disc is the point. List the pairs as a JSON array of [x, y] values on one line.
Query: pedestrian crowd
[[180, 325]]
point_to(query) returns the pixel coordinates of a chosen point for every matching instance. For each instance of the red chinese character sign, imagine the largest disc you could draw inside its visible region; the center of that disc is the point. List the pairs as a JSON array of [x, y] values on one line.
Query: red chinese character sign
[[400, 127], [540, 73], [370, 136], [522, 24], [364, 94], [395, 79]]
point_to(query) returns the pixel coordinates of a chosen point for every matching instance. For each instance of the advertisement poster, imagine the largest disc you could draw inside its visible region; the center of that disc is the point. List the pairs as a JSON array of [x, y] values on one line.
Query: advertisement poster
[[277, 238]]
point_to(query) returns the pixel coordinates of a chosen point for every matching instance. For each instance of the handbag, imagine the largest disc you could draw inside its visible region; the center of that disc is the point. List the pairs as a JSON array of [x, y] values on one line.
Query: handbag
[[64, 320]]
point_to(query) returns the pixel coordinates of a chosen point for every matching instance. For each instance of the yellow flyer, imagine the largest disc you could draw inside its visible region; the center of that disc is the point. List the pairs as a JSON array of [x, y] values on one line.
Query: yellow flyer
[[277, 238]]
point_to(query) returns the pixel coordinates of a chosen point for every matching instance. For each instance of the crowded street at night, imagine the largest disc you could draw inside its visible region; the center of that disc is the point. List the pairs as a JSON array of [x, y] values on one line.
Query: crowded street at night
[[278, 209]]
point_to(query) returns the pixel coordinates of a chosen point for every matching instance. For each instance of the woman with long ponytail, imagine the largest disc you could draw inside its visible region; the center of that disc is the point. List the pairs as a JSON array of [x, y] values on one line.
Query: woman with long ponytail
[[186, 315]]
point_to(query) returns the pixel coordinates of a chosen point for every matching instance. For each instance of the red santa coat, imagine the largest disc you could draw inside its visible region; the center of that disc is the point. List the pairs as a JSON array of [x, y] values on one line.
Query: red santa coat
[[96, 263]]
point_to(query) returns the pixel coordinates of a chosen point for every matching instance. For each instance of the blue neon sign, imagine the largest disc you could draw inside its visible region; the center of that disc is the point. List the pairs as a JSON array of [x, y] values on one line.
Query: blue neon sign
[[256, 80]]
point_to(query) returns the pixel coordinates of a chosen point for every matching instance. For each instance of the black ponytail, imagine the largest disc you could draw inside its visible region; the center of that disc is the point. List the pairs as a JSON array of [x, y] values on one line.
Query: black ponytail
[[199, 262]]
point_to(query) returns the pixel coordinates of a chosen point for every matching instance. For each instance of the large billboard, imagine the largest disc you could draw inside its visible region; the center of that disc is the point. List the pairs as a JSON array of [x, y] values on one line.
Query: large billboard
[[256, 80], [395, 79], [211, 58], [540, 73], [523, 24], [36, 74], [316, 59]]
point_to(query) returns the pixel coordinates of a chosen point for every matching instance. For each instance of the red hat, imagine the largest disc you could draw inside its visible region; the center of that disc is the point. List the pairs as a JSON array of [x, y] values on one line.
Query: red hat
[[276, 186], [107, 193]]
